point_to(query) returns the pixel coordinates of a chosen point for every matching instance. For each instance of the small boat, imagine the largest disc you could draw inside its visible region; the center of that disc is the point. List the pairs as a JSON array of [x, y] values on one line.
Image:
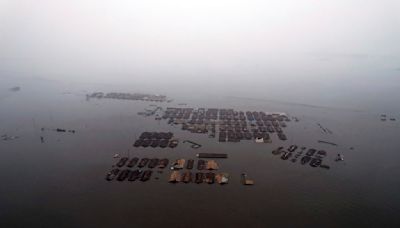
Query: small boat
[[153, 163], [162, 163], [116, 156], [133, 162], [315, 162], [146, 175], [135, 175], [305, 159], [122, 161], [123, 175], [199, 178], [112, 174], [190, 164], [143, 162]]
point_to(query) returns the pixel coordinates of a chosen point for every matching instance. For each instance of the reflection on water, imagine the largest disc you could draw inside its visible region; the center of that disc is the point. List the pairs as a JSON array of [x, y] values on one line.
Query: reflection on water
[[60, 182]]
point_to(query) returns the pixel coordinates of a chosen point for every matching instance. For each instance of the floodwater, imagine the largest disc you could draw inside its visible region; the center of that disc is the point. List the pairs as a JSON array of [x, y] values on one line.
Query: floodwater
[[61, 182]]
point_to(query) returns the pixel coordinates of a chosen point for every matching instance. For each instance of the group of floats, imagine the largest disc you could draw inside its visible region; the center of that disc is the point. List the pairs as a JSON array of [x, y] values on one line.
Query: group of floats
[[156, 139], [312, 156]]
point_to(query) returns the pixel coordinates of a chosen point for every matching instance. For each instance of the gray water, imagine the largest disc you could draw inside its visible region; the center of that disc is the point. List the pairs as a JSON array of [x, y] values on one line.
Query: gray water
[[60, 183]]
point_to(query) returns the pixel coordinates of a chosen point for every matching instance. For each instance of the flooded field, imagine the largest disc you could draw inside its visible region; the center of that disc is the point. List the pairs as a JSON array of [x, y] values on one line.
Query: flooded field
[[51, 176]]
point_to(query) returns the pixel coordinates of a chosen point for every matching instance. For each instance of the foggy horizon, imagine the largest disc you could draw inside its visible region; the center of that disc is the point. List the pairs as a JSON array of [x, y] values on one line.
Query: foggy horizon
[[164, 41]]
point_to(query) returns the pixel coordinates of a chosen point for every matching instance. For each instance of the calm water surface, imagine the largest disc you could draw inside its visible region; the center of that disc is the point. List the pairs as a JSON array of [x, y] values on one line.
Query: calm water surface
[[60, 183]]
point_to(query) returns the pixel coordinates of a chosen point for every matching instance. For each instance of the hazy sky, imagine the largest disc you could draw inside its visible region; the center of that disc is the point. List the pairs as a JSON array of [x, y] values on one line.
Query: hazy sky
[[95, 40]]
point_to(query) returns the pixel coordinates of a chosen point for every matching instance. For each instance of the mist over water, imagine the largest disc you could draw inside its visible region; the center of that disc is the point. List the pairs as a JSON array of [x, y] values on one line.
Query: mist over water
[[341, 51]]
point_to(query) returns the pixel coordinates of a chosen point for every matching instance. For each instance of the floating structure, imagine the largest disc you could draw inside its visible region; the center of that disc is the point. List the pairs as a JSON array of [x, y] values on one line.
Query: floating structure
[[146, 175], [286, 155], [315, 162], [339, 157], [112, 174], [162, 163], [6, 137], [178, 164], [143, 162], [128, 96], [175, 177], [312, 156], [292, 148], [190, 164], [156, 139], [59, 130], [278, 151], [211, 155], [222, 178], [232, 126], [210, 178], [326, 142], [133, 162], [123, 175], [122, 161], [136, 174], [187, 177], [201, 164], [211, 165], [246, 180], [194, 145], [153, 163], [199, 178]]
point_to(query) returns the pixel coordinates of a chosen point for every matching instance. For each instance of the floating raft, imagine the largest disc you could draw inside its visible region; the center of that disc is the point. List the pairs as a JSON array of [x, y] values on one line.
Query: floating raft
[[211, 155]]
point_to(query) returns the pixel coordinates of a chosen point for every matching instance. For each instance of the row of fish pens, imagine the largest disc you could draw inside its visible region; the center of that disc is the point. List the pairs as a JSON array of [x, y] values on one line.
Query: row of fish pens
[[198, 178]]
